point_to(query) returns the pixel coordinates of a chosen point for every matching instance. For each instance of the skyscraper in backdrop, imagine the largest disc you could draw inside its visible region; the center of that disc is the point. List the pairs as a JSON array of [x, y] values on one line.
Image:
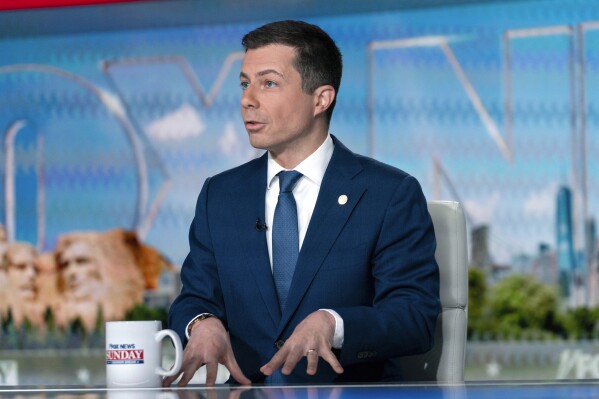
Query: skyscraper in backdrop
[[566, 256]]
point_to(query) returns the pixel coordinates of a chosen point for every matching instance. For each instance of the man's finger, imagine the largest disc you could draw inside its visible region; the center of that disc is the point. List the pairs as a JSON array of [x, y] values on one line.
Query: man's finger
[[312, 358], [293, 357], [186, 377], [167, 381], [331, 359], [235, 370], [211, 372], [188, 371], [277, 360]]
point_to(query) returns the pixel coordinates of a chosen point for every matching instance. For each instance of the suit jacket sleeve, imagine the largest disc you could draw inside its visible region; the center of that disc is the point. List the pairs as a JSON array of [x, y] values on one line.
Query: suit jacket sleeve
[[401, 320], [201, 290]]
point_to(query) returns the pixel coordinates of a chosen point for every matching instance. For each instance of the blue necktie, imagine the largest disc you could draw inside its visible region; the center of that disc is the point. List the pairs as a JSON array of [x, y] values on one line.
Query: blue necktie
[[285, 239]]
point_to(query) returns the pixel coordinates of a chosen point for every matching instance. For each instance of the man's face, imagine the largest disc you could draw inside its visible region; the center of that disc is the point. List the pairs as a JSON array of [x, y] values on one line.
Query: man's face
[[21, 272], [79, 271], [278, 115]]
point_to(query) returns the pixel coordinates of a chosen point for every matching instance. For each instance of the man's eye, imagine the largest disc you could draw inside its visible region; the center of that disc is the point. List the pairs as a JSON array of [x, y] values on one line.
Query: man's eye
[[270, 84], [244, 85]]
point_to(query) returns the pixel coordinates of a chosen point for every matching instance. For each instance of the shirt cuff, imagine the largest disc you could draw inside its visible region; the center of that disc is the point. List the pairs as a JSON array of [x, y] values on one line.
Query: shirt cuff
[[339, 334]]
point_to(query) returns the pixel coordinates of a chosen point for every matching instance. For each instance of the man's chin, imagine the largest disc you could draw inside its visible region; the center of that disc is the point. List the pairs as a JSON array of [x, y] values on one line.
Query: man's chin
[[257, 143], [80, 297], [79, 294], [258, 147]]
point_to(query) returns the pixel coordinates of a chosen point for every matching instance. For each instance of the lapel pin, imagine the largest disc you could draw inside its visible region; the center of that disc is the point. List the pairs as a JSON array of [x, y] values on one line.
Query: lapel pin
[[342, 200]]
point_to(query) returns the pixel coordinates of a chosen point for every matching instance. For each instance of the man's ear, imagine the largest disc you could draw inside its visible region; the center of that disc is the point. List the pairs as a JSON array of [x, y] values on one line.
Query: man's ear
[[323, 98]]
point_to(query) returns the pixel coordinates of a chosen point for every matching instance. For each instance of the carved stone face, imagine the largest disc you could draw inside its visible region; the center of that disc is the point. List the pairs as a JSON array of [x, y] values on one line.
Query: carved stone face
[[3, 271], [80, 271], [21, 271]]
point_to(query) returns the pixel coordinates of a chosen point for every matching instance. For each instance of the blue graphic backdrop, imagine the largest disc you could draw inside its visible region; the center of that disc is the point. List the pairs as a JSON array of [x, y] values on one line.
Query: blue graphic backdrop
[[494, 105]]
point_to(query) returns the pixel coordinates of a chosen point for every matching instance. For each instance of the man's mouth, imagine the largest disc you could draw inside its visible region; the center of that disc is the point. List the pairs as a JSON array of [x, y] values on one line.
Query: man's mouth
[[253, 125], [74, 285]]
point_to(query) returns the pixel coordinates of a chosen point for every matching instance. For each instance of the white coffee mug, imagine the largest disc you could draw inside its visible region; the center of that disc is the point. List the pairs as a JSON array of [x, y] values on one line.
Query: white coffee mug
[[134, 354]]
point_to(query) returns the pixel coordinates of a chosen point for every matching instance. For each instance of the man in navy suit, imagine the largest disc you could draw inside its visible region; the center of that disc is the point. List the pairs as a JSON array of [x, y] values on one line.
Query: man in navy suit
[[364, 288]]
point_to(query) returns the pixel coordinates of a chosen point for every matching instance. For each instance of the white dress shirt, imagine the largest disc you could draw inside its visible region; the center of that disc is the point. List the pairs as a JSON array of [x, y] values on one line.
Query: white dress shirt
[[305, 193]]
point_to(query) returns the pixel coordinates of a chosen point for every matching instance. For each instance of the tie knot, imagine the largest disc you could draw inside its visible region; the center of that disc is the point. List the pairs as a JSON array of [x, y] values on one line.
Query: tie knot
[[287, 180]]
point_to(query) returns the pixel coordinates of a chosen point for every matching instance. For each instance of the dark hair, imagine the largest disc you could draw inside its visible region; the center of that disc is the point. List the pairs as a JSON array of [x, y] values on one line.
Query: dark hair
[[318, 60]]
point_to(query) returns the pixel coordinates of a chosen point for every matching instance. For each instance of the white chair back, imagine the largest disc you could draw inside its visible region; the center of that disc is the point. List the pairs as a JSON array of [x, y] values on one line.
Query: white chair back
[[445, 362]]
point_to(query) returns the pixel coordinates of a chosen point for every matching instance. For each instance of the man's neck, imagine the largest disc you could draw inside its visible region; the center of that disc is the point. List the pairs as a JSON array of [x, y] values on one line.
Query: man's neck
[[293, 156]]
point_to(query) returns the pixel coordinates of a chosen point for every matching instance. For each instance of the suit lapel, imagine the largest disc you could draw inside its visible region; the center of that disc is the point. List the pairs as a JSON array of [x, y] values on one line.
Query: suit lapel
[[249, 206], [327, 221]]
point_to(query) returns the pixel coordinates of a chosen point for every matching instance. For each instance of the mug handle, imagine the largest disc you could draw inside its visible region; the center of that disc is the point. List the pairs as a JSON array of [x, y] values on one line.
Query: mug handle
[[160, 335]]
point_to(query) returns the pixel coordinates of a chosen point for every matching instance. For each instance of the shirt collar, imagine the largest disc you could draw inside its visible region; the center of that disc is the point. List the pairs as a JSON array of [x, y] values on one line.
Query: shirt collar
[[312, 168]]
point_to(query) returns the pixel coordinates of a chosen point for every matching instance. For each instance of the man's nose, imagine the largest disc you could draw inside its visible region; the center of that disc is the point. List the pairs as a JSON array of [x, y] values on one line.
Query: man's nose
[[249, 99], [31, 272], [68, 269]]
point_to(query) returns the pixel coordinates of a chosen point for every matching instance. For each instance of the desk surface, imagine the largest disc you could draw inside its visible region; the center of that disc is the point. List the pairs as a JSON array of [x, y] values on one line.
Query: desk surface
[[581, 389]]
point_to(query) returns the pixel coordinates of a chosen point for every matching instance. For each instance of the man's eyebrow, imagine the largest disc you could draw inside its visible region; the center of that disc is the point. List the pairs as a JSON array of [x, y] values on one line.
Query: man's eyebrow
[[262, 73]]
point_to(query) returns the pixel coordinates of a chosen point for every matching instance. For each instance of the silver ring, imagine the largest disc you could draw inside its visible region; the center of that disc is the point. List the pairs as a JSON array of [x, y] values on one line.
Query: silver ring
[[311, 350]]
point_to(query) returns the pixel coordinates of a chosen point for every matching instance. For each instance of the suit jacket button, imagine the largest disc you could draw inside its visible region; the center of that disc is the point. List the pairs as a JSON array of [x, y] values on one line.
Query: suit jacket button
[[279, 344]]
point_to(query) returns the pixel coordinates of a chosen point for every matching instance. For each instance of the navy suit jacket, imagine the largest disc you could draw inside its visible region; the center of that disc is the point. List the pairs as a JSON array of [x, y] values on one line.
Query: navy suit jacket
[[370, 259]]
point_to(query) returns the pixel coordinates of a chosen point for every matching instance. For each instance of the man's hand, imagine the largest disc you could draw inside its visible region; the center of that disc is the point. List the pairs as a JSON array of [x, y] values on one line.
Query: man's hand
[[208, 344], [312, 338]]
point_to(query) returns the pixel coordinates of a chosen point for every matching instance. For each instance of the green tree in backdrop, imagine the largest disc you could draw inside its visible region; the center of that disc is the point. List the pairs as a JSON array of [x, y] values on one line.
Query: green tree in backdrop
[[519, 306]]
